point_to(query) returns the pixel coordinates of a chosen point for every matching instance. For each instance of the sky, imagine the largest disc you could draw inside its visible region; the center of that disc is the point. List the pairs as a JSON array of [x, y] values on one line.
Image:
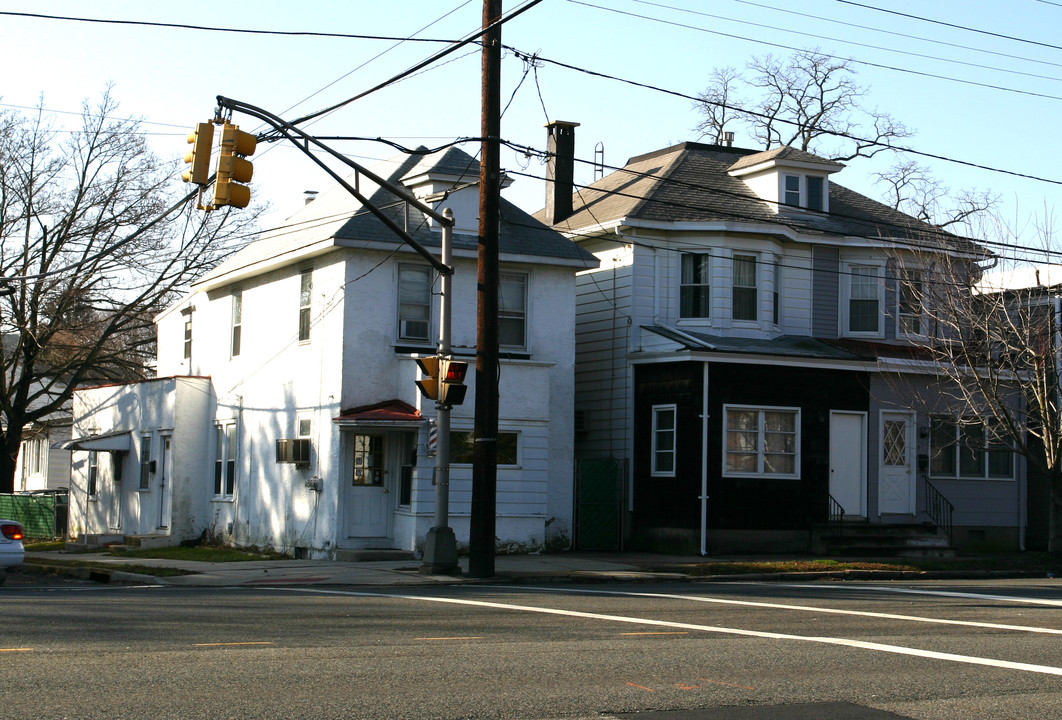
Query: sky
[[979, 81]]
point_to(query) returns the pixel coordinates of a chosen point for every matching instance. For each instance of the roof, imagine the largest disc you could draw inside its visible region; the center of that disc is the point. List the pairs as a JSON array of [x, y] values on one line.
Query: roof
[[389, 412], [337, 219], [691, 182], [783, 155]]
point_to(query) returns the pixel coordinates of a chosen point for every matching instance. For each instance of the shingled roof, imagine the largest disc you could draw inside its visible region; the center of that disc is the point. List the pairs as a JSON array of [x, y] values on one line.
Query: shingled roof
[[336, 218], [692, 182]]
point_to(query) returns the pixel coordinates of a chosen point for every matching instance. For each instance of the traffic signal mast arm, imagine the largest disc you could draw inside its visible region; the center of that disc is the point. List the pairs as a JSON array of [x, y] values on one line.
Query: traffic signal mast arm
[[303, 140]]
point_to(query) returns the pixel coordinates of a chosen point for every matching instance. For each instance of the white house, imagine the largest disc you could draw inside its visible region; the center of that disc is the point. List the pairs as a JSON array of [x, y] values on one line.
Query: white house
[[286, 414]]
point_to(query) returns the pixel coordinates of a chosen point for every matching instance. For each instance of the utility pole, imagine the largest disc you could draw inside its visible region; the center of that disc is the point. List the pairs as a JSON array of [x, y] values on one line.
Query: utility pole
[[483, 520]]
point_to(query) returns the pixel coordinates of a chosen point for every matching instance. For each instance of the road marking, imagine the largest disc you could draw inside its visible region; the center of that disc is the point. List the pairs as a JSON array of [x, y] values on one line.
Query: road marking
[[16, 649], [224, 644], [809, 608], [641, 687], [470, 637], [843, 642], [656, 633], [941, 593]]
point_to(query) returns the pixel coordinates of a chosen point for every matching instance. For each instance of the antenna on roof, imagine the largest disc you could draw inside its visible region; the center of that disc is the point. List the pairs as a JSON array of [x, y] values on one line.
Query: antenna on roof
[[599, 160]]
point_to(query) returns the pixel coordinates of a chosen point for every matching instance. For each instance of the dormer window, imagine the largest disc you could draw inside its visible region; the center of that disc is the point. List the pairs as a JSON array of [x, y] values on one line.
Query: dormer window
[[806, 191], [787, 178]]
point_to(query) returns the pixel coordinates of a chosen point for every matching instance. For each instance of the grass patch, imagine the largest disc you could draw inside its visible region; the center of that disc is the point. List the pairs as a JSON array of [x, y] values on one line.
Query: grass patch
[[44, 545], [197, 553], [1026, 562]]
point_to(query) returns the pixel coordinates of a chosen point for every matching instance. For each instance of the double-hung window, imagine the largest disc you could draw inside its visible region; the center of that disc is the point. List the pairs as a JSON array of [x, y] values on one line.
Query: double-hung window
[[93, 480], [792, 190], [237, 323], [664, 440], [968, 448], [811, 196], [305, 298], [145, 462], [512, 310], [414, 303], [761, 441], [225, 460], [744, 291], [864, 300], [695, 286]]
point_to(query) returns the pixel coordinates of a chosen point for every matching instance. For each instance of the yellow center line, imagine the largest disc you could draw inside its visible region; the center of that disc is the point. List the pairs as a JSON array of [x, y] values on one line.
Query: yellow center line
[[220, 644], [470, 637], [16, 649], [656, 633]]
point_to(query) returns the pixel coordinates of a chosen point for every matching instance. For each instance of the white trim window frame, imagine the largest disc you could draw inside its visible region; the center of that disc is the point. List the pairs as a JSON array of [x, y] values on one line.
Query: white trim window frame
[[413, 303], [910, 303], [663, 452], [745, 291], [863, 299], [761, 441], [512, 310], [236, 335], [695, 286], [92, 475], [305, 304], [805, 191], [225, 460]]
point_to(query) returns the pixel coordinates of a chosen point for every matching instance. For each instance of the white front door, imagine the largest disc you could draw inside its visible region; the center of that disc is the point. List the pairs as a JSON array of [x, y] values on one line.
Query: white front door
[[164, 481], [848, 462], [369, 493], [896, 478]]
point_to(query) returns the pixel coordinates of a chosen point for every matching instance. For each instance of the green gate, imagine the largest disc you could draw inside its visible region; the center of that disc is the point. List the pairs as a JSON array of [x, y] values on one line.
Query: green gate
[[599, 504], [43, 515]]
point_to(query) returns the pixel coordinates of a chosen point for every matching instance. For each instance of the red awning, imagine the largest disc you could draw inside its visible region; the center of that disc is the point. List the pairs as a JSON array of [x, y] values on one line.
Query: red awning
[[391, 413]]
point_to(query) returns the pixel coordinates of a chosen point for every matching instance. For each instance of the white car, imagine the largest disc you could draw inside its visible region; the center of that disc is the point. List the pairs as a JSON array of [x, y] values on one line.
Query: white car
[[11, 550]]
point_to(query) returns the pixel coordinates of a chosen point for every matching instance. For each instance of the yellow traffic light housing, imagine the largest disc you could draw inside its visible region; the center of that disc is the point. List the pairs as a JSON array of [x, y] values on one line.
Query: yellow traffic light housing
[[429, 384], [233, 169], [198, 158]]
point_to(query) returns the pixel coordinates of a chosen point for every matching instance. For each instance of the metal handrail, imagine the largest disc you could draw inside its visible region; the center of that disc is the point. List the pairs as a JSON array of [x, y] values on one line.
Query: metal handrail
[[836, 517], [940, 510]]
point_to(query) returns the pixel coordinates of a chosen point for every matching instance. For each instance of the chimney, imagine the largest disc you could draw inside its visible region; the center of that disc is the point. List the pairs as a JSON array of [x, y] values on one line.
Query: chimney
[[560, 170]]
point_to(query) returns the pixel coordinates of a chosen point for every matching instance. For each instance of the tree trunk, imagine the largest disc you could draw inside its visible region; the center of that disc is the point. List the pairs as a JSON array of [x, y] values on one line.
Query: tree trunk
[[10, 443]]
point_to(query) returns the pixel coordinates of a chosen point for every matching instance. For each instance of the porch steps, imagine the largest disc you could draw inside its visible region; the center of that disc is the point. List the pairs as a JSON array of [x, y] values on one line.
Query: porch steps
[[898, 541], [370, 554]]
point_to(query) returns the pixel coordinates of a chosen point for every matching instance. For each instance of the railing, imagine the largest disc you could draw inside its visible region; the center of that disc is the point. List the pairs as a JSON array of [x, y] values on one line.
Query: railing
[[836, 518], [940, 510]]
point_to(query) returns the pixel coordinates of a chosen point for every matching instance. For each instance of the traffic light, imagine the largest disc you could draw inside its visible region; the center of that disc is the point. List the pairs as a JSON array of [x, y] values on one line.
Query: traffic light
[[233, 168], [452, 386], [444, 379], [201, 139], [429, 384]]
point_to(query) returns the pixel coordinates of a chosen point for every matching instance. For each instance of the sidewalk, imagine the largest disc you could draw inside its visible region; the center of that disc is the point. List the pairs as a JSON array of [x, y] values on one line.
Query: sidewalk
[[574, 567]]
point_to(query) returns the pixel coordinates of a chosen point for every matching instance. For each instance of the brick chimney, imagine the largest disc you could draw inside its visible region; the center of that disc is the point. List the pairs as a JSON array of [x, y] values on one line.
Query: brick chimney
[[560, 170]]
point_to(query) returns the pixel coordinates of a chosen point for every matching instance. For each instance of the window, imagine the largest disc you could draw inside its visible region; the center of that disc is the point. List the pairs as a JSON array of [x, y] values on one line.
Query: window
[[92, 484], [36, 455], [187, 337], [864, 300], [968, 449], [368, 460], [694, 286], [910, 303], [512, 310], [145, 462], [745, 297], [462, 447], [664, 440], [305, 425], [225, 463], [792, 190], [414, 302], [761, 441], [237, 321], [305, 296], [816, 193]]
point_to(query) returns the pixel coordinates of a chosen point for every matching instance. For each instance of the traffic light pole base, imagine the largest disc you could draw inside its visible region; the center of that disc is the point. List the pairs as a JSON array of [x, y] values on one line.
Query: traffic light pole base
[[440, 553]]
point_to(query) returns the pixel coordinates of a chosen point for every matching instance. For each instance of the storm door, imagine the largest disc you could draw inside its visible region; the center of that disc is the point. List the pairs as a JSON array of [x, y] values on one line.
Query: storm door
[[369, 492]]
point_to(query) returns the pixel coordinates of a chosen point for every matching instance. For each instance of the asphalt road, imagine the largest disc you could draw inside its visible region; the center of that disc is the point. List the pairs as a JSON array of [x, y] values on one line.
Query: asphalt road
[[678, 652]]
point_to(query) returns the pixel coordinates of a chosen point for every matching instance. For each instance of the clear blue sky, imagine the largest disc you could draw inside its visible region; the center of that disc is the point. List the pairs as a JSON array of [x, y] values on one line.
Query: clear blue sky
[[971, 96]]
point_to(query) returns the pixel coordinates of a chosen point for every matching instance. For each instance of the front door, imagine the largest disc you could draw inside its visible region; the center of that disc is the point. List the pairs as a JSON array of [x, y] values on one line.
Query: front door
[[369, 497], [164, 481], [896, 479], [848, 462]]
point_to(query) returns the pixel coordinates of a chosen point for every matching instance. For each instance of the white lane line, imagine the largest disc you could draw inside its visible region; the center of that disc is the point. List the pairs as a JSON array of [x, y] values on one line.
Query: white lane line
[[809, 608], [879, 647], [940, 593]]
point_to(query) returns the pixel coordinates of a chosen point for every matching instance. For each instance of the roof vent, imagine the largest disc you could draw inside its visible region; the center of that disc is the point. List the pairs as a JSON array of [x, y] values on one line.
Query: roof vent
[[728, 139], [309, 196]]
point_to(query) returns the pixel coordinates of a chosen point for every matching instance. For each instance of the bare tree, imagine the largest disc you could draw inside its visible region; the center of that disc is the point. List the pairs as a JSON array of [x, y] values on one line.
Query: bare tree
[[993, 343], [803, 101], [89, 253], [912, 189]]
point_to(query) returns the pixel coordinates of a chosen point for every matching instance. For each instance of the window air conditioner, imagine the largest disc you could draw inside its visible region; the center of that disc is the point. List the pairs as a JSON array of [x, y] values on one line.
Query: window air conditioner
[[413, 329], [295, 451]]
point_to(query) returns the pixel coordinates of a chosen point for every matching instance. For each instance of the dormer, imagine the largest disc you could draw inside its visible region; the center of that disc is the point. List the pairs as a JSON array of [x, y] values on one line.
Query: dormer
[[450, 181], [787, 178]]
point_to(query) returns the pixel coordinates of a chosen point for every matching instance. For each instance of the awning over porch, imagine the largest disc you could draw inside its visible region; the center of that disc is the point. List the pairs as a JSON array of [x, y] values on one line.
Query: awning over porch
[[390, 413], [105, 442]]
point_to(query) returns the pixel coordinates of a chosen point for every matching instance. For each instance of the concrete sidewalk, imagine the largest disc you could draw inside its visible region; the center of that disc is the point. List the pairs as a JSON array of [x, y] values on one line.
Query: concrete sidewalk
[[568, 567]]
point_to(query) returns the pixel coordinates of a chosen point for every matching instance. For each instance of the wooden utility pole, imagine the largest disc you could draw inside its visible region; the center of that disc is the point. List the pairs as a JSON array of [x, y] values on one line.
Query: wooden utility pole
[[485, 458]]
